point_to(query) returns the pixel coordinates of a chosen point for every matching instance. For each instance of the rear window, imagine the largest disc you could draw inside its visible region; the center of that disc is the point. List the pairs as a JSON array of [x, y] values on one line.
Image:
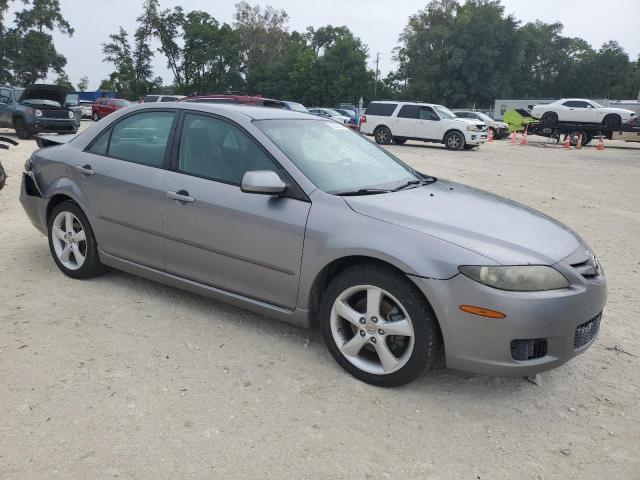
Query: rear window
[[168, 99], [381, 109]]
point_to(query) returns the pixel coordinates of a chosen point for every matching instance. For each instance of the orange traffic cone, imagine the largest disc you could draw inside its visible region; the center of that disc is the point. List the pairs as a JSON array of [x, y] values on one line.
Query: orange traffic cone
[[600, 145], [567, 143], [513, 138], [579, 144], [524, 137], [490, 136]]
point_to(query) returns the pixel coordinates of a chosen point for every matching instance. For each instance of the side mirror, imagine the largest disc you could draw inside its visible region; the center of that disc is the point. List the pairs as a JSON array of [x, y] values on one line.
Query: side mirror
[[263, 182]]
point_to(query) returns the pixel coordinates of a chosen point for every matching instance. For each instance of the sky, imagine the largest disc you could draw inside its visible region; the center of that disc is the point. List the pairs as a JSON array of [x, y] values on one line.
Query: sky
[[377, 22]]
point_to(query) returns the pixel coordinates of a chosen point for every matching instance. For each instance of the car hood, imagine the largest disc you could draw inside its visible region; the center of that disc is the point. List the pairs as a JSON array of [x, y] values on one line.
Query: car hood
[[44, 92], [490, 225]]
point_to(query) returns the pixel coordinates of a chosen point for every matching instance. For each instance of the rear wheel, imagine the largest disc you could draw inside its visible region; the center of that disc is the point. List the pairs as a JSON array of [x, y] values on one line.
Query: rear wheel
[[612, 121], [72, 243], [549, 118], [378, 326], [22, 132], [382, 135], [399, 140], [454, 141]]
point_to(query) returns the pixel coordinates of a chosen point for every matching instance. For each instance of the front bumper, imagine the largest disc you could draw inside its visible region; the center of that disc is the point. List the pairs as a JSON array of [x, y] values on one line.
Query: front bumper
[[484, 345], [475, 138], [44, 125]]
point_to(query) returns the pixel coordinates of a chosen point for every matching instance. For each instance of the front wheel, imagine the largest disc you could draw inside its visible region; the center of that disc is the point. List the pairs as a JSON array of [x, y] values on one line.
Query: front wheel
[[612, 121], [72, 243], [22, 132], [383, 136], [378, 326], [454, 141]]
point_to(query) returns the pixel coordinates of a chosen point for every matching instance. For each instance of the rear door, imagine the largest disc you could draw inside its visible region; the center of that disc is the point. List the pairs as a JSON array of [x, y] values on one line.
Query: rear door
[[122, 175], [428, 125], [218, 235], [405, 122]]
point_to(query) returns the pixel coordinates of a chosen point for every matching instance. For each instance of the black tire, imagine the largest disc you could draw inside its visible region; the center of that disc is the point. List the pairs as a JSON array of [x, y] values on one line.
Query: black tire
[[427, 336], [549, 119], [575, 136], [612, 121], [587, 139], [91, 266], [399, 140], [22, 132], [454, 141], [470, 147], [382, 136], [95, 116]]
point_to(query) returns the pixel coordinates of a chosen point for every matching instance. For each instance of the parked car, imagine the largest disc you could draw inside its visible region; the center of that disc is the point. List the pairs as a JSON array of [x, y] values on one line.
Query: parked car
[[499, 129], [163, 98], [36, 108], [3, 174], [331, 114], [304, 220], [236, 98], [580, 110], [295, 106], [105, 106], [87, 108], [346, 112], [401, 121]]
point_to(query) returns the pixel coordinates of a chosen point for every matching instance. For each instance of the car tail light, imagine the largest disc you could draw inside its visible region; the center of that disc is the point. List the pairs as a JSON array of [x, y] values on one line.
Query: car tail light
[[363, 119]]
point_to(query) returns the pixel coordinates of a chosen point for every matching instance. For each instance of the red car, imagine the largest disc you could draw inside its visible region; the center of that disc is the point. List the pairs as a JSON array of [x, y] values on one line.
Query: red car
[[237, 98], [104, 106]]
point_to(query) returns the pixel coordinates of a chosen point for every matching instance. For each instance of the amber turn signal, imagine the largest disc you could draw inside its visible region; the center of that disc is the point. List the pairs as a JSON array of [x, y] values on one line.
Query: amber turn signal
[[483, 312]]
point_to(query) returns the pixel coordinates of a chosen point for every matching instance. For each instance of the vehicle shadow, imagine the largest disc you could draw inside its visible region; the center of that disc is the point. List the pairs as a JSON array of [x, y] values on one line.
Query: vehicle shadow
[[438, 380]]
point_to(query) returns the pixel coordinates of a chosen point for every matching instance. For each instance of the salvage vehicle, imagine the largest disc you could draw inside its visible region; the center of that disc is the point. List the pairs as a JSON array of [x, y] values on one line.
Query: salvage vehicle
[[300, 218], [499, 129], [580, 110], [37, 109], [331, 114], [105, 106], [401, 121]]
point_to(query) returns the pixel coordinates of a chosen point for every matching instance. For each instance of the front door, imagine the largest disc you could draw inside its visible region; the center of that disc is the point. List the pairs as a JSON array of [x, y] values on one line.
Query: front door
[[122, 176], [5, 113], [215, 234], [428, 125]]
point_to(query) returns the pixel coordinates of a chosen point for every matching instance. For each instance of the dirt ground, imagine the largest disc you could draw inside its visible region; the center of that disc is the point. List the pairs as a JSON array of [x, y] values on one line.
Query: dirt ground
[[119, 377]]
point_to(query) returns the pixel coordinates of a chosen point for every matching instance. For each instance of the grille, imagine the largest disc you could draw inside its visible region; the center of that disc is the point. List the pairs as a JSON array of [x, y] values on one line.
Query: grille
[[528, 349], [55, 114], [587, 331]]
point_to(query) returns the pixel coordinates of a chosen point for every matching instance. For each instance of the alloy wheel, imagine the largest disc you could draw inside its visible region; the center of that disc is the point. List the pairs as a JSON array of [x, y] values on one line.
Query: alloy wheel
[[453, 142], [372, 329], [69, 240], [382, 136]]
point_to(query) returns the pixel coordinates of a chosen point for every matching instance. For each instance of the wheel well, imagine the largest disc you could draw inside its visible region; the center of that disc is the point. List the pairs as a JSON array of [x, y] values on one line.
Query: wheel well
[[452, 130], [15, 117], [332, 270], [379, 127], [57, 200]]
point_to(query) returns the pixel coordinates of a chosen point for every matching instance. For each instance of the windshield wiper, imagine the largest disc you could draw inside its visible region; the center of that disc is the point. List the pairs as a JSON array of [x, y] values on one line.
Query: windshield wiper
[[363, 191], [416, 183]]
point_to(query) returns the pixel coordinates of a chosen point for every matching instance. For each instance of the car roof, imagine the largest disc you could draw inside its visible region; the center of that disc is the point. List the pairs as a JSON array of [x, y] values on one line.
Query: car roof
[[250, 111], [398, 102]]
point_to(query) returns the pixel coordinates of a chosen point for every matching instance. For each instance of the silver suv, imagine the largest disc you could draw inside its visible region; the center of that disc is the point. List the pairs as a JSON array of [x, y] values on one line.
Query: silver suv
[[37, 108]]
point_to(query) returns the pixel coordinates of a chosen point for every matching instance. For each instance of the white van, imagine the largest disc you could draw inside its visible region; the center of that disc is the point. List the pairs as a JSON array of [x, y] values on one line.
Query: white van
[[389, 120]]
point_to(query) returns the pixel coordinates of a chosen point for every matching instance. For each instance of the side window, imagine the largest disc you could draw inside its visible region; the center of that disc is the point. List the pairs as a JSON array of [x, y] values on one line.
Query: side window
[[142, 138], [381, 109], [150, 98], [409, 111], [427, 113], [5, 96], [216, 149], [100, 144], [168, 99], [575, 104]]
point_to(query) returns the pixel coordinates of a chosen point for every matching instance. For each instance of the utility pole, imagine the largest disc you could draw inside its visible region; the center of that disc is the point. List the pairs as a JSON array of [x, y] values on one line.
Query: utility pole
[[375, 85]]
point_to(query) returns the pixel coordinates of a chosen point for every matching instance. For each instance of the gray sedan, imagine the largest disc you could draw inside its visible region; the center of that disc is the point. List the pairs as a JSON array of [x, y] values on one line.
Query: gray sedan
[[301, 219]]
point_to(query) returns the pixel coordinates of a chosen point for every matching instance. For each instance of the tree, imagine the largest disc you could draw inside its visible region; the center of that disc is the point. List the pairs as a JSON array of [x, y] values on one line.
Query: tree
[[83, 84], [63, 81]]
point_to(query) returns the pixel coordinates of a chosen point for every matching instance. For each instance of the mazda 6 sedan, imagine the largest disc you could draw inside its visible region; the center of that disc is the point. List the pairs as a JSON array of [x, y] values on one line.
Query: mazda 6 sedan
[[302, 219]]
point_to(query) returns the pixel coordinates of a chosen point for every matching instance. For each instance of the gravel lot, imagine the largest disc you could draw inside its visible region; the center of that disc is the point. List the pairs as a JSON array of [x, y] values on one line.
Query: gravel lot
[[122, 377]]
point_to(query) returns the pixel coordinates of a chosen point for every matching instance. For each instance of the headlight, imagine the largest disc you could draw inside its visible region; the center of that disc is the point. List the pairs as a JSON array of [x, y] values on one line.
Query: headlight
[[472, 128], [525, 278], [72, 114], [37, 113]]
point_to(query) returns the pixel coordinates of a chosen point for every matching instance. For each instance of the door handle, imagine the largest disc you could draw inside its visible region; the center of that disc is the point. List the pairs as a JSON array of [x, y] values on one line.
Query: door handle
[[85, 170], [181, 196]]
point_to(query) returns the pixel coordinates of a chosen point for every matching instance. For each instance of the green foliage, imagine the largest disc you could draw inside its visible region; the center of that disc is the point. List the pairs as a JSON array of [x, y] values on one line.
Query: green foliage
[[83, 84], [63, 81]]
